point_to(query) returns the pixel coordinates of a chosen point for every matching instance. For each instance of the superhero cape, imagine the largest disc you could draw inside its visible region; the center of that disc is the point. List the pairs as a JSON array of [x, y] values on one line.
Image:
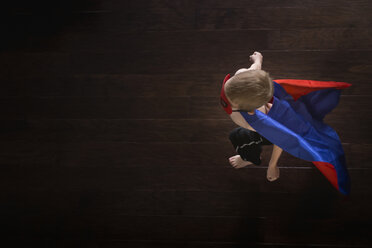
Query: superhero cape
[[295, 124]]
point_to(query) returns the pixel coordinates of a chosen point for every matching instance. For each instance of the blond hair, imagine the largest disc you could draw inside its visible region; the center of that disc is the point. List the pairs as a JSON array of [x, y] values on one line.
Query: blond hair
[[250, 89]]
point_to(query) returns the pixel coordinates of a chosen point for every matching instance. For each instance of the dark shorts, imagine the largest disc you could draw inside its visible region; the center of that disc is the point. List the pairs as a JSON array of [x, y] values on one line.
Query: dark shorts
[[248, 144]]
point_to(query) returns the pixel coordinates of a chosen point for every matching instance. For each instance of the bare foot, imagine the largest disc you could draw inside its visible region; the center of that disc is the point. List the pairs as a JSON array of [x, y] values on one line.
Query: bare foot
[[237, 162], [272, 173]]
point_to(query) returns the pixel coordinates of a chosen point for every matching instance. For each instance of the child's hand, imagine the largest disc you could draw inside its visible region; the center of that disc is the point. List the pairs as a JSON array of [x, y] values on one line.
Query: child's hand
[[272, 172], [256, 57]]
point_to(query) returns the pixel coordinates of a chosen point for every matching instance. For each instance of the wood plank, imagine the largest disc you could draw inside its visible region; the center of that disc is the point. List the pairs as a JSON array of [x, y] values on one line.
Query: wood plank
[[88, 153], [312, 202], [173, 15], [183, 178], [89, 242], [298, 64], [322, 38], [67, 6], [178, 15], [264, 39], [153, 108], [142, 85], [13, 63], [186, 41], [242, 229], [94, 16], [171, 108], [278, 17], [178, 178], [120, 85], [196, 244], [125, 5], [315, 208], [301, 62], [218, 229], [281, 4], [319, 231]]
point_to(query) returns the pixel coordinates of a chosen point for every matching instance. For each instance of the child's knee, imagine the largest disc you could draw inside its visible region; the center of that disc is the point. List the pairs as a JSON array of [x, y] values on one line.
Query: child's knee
[[233, 133], [236, 134]]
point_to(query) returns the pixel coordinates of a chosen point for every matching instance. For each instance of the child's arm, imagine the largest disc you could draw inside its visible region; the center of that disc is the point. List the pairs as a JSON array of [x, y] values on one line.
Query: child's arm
[[277, 151], [273, 171], [238, 119], [256, 58]]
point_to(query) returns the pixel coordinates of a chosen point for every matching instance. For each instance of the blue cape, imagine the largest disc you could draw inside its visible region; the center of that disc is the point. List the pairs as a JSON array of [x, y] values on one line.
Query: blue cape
[[296, 126]]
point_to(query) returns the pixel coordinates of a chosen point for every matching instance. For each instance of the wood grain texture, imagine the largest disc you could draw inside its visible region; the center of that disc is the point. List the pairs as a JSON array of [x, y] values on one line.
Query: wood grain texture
[[58, 127], [144, 85], [279, 17], [116, 154], [111, 132]]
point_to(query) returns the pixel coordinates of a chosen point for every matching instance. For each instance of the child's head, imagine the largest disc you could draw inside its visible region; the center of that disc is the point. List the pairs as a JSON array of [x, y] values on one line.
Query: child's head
[[249, 90]]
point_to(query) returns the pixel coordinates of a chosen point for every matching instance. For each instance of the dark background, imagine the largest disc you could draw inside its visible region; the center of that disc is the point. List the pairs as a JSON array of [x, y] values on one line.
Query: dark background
[[112, 134]]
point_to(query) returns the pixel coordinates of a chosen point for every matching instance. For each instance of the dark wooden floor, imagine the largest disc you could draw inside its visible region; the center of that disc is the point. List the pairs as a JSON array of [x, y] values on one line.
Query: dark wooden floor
[[112, 134]]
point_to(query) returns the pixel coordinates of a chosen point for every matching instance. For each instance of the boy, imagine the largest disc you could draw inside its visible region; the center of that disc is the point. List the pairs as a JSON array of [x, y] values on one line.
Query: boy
[[245, 139], [289, 113]]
